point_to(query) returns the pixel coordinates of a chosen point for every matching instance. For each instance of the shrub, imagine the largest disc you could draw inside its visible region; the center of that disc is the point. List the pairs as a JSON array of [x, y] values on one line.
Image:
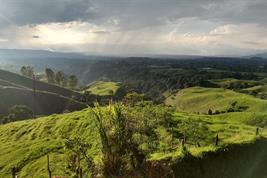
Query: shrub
[[78, 154], [120, 152], [217, 112], [19, 112], [209, 112]]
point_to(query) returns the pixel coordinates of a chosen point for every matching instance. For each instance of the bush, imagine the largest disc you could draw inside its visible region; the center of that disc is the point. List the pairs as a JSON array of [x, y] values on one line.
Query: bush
[[209, 112], [217, 112], [116, 137], [20, 112], [129, 134], [194, 131]]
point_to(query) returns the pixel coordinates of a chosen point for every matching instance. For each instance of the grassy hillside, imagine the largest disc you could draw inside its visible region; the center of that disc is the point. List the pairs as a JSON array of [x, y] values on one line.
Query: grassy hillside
[[18, 80], [103, 88], [231, 83], [251, 87], [17, 90], [7, 83], [200, 100], [42, 102], [259, 91], [25, 144]]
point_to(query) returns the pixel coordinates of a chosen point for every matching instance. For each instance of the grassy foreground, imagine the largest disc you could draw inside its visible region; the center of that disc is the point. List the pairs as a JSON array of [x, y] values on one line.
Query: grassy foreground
[[25, 144]]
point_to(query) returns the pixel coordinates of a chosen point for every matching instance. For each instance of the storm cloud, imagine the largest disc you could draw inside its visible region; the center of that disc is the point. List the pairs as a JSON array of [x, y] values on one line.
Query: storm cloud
[[165, 26]]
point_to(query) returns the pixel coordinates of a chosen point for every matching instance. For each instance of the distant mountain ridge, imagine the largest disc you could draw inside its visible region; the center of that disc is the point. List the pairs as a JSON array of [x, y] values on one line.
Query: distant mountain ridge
[[259, 55], [29, 53]]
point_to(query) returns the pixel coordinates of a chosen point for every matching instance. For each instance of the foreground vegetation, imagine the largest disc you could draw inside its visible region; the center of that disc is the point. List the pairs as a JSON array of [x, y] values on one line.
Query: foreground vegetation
[[152, 132]]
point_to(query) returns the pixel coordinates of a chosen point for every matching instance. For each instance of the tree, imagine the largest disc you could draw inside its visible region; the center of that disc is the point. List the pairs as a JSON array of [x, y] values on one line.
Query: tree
[[23, 70], [19, 112], [193, 130], [133, 98], [165, 139], [27, 71], [60, 78], [116, 135], [73, 81], [50, 75]]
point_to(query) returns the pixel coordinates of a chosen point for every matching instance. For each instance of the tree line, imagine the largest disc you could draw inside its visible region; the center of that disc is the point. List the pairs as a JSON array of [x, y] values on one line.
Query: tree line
[[52, 77]]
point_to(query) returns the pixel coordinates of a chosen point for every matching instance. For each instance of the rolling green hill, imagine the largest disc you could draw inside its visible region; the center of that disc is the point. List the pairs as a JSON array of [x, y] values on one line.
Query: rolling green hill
[[200, 100], [259, 91], [25, 144], [102, 88], [231, 83]]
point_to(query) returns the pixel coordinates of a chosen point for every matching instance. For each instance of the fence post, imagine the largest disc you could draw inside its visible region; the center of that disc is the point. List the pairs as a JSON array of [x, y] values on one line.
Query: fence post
[[34, 95], [184, 142], [13, 172], [81, 173], [48, 168], [257, 131], [217, 140]]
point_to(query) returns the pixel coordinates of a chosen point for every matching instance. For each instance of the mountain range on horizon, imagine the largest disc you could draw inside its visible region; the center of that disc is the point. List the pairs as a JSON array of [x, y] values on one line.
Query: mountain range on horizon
[[32, 53]]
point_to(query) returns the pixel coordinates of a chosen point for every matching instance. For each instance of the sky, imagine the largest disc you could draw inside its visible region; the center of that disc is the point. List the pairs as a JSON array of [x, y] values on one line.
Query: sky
[[136, 27]]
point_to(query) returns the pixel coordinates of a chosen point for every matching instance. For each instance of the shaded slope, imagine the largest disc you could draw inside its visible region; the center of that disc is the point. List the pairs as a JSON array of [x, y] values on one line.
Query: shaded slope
[[41, 103], [48, 99], [244, 161], [27, 82]]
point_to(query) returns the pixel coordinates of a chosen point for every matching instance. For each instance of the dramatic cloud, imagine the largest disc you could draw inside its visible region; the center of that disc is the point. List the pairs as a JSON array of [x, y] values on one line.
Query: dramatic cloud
[[43, 11], [214, 27]]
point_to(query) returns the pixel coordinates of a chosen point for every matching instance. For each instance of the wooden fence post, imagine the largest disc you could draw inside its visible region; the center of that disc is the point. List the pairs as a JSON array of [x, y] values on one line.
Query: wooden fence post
[[257, 131], [13, 172], [34, 95], [48, 168], [81, 173], [184, 142], [217, 140]]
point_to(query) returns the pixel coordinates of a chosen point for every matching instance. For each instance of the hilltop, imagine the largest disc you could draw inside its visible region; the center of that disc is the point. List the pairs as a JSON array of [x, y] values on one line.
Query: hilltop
[[102, 88]]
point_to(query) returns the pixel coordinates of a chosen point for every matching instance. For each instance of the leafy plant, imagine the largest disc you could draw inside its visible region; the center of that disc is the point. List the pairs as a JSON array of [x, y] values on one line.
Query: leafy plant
[[78, 148], [116, 133]]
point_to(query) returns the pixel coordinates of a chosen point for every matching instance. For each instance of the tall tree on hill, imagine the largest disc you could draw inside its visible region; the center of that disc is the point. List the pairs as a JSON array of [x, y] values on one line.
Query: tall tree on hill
[[27, 71], [60, 78], [64, 82], [50, 75], [23, 70], [73, 81]]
